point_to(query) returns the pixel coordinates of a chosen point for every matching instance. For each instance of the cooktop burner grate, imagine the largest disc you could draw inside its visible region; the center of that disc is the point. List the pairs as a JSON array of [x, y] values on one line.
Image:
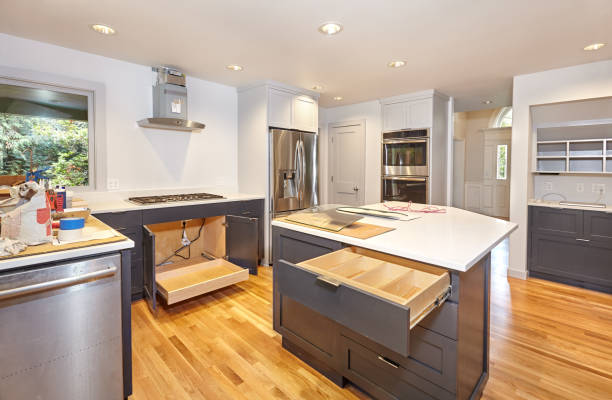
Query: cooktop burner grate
[[171, 198]]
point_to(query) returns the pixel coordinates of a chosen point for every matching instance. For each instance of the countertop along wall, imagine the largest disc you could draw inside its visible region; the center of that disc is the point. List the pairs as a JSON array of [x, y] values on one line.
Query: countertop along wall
[[144, 158], [566, 84]]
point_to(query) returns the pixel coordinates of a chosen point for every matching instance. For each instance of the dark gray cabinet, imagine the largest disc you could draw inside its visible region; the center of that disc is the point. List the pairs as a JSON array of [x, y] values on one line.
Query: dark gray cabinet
[[571, 246], [446, 356]]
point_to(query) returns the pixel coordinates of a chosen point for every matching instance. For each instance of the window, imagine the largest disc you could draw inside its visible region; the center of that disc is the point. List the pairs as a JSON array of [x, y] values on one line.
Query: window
[[504, 118], [48, 130], [502, 161]]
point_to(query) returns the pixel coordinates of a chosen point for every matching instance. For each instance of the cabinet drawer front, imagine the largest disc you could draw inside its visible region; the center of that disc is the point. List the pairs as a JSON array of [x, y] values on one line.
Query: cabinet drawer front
[[378, 319], [385, 378], [561, 222], [558, 255], [121, 220]]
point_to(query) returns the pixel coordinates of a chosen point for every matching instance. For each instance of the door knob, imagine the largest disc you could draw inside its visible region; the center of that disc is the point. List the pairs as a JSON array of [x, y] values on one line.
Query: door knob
[[355, 188]]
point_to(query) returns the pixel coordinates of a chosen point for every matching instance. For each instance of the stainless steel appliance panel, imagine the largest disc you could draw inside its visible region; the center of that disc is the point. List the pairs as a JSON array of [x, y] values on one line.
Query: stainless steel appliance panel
[[405, 188], [309, 154], [60, 331], [285, 170], [405, 156]]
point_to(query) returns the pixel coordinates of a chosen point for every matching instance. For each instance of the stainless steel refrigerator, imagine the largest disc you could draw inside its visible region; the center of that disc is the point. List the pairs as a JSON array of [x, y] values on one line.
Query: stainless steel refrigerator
[[294, 183]]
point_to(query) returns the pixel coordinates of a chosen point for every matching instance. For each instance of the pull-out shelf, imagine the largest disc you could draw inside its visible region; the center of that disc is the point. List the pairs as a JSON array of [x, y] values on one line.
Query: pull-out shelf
[[379, 296]]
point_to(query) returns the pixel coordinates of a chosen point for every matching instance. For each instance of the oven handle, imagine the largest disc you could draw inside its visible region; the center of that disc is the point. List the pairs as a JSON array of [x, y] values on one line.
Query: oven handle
[[403, 178], [400, 141], [58, 283]]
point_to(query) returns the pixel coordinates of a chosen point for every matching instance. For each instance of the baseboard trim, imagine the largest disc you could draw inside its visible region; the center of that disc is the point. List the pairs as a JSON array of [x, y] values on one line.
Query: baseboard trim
[[517, 273]]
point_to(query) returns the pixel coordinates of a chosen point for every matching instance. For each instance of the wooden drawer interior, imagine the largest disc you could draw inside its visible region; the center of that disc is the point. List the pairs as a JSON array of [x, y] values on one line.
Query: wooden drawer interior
[[416, 285], [189, 278]]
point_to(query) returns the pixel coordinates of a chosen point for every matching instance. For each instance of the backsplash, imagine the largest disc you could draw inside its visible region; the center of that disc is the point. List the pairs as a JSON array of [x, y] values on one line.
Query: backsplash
[[551, 186]]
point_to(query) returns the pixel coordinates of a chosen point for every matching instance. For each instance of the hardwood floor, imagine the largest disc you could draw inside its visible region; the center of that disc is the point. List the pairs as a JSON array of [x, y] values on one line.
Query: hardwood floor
[[548, 341]]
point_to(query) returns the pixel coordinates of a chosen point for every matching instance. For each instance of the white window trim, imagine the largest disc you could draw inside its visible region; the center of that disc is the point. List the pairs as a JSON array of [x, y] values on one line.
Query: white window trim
[[96, 93], [500, 115]]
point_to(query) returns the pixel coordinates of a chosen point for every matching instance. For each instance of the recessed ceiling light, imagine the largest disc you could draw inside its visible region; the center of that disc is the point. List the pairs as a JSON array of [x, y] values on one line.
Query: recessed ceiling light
[[396, 64], [487, 102], [330, 28], [234, 67], [103, 29], [594, 46], [338, 98], [317, 87]]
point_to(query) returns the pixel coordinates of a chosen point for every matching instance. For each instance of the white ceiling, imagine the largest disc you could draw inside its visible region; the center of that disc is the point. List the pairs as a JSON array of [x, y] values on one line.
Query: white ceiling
[[468, 49]]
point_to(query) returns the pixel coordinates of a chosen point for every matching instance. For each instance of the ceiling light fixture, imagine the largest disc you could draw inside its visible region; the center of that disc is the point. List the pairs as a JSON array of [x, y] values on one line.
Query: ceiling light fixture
[[317, 87], [338, 98], [594, 46], [487, 102], [396, 64], [330, 28], [103, 29], [234, 67]]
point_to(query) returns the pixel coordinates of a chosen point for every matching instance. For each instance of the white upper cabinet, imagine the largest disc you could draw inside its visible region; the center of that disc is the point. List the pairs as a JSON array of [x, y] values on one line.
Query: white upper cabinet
[[291, 111], [305, 113], [394, 116], [409, 114], [420, 114], [280, 109]]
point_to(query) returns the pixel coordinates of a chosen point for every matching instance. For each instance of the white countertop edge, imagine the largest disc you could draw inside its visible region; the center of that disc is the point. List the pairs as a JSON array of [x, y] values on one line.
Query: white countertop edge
[[394, 251], [555, 204], [18, 262], [125, 205]]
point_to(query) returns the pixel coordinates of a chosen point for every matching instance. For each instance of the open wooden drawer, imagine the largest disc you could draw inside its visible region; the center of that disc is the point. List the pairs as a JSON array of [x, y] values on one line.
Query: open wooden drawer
[[379, 296]]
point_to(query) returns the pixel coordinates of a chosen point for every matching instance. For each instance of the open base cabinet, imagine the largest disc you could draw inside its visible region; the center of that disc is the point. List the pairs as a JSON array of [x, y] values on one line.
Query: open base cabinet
[[221, 251]]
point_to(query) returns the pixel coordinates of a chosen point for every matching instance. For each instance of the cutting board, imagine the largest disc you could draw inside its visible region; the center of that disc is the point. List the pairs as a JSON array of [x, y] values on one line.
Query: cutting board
[[357, 230]]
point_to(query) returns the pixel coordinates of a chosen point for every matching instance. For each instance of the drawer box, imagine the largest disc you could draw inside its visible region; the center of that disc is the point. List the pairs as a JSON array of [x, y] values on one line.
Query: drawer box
[[364, 291], [385, 378]]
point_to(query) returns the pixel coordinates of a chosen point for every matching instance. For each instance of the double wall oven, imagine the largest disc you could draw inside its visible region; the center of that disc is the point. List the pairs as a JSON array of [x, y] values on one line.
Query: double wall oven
[[405, 166]]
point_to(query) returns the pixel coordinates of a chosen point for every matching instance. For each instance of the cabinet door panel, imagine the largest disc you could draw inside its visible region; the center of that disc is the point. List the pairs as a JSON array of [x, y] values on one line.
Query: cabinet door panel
[[279, 109], [394, 116], [305, 114], [150, 285], [420, 114], [558, 221], [242, 241], [559, 255], [598, 227]]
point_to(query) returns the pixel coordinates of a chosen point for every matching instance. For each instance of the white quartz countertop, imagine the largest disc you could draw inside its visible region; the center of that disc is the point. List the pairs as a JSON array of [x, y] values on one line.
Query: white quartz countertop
[[118, 203], [58, 256], [555, 204], [455, 240]]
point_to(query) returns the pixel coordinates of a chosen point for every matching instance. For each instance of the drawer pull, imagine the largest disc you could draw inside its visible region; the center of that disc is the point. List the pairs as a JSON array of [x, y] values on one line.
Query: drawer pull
[[583, 240], [326, 281], [388, 362]]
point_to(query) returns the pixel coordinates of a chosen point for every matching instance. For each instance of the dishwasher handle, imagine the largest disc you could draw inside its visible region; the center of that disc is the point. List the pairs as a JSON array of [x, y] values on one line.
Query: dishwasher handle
[[58, 283]]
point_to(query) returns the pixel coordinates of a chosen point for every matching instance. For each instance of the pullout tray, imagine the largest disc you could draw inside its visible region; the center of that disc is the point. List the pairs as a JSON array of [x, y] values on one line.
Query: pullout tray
[[379, 296], [186, 279]]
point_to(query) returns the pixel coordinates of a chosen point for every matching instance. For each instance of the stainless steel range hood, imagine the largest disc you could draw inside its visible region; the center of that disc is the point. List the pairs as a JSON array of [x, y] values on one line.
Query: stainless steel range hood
[[170, 103]]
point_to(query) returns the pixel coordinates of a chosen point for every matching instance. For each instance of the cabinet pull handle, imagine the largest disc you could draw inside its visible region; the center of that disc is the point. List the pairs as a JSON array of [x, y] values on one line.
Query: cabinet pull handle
[[328, 281], [583, 240], [388, 362]]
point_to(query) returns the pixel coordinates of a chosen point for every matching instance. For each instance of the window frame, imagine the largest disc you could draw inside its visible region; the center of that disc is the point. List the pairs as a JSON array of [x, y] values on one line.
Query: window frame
[[96, 132], [500, 117]]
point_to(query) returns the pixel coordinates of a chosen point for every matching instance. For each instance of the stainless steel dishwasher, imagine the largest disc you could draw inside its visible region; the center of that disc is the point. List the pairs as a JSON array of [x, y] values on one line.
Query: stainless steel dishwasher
[[60, 331]]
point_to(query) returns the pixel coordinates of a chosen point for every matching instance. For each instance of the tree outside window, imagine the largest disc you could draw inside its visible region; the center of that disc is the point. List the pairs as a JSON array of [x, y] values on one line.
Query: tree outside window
[[502, 161]]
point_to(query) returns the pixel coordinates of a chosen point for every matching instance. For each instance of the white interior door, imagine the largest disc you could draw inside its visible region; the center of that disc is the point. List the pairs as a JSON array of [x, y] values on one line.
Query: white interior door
[[496, 174], [347, 163]]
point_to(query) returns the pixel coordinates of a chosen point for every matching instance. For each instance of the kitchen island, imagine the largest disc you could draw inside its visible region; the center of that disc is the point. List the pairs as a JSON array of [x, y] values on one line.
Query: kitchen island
[[404, 314]]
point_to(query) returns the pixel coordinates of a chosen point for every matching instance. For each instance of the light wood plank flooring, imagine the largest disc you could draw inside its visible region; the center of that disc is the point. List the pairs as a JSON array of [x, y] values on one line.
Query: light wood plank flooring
[[548, 341]]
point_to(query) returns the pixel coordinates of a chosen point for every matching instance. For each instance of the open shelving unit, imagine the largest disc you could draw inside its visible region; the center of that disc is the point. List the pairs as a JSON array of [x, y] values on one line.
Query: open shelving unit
[[572, 149]]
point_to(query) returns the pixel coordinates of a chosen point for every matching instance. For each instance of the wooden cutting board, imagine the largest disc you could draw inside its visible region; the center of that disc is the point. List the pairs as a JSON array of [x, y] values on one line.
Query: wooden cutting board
[[357, 230]]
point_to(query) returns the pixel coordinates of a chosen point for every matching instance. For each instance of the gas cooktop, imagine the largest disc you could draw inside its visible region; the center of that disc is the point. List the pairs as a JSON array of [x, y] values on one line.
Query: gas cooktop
[[171, 198]]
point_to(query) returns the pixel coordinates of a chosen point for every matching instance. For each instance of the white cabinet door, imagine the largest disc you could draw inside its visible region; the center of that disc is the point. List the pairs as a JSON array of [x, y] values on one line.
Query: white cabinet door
[[394, 116], [279, 109], [420, 114], [305, 114]]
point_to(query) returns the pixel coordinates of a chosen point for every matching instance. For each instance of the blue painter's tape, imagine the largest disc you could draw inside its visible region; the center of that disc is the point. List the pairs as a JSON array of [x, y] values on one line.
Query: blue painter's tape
[[68, 224]]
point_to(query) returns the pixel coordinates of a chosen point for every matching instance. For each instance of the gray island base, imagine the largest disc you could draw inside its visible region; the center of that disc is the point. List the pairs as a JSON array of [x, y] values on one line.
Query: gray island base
[[347, 312]]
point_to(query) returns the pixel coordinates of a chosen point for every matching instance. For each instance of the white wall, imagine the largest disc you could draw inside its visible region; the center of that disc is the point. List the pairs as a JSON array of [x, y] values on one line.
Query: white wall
[[370, 111], [144, 158], [565, 84]]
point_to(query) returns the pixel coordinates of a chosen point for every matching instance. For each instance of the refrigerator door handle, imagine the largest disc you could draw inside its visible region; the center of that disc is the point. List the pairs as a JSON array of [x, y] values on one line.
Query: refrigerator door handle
[[298, 171], [302, 172]]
